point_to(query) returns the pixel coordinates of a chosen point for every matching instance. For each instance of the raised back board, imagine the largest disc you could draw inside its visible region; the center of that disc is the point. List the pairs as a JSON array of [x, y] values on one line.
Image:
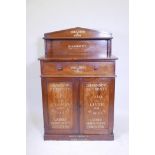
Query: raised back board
[[78, 42]]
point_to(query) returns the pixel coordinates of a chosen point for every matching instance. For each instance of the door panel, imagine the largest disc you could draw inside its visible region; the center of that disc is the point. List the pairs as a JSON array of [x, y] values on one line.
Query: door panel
[[95, 99], [62, 105]]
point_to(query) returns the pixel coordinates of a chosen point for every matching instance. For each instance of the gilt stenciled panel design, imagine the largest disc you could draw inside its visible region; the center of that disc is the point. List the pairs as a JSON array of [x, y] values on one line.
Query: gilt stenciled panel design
[[77, 48], [96, 102], [78, 32], [79, 68], [60, 105]]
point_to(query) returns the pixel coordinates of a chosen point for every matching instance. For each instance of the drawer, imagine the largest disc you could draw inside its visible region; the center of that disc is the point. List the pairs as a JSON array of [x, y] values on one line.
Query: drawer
[[78, 68]]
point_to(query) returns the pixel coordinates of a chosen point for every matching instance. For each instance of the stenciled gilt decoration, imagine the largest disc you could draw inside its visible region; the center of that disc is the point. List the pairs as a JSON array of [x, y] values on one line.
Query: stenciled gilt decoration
[[60, 105], [78, 68], [96, 102], [77, 33]]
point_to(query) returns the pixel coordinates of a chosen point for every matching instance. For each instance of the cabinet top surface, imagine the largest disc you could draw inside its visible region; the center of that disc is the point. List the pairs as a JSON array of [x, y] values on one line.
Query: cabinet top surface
[[44, 58], [78, 33]]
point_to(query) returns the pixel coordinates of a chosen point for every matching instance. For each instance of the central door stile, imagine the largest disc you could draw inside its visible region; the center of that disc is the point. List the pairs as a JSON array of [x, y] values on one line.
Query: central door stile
[[77, 84]]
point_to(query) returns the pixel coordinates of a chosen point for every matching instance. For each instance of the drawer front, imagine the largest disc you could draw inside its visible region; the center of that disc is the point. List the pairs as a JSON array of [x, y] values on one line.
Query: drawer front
[[78, 68]]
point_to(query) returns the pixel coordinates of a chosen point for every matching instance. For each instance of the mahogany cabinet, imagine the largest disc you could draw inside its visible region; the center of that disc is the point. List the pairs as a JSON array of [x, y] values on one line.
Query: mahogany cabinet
[[78, 84]]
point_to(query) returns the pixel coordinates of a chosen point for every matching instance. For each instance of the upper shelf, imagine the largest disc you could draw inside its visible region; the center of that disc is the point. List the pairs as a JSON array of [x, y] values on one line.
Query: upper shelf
[[78, 33], [44, 58]]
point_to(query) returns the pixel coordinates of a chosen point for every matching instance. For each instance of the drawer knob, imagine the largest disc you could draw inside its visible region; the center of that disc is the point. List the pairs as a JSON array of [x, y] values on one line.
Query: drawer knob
[[95, 68], [60, 68]]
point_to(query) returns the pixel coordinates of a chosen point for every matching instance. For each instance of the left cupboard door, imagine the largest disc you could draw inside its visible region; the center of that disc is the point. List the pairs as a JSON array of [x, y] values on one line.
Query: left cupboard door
[[60, 105]]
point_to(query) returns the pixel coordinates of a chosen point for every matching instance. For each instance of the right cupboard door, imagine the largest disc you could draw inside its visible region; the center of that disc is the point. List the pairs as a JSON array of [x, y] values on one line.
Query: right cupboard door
[[96, 105]]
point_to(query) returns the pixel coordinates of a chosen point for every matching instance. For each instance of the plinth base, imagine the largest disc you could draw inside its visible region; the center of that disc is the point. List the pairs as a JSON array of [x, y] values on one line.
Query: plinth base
[[107, 137]]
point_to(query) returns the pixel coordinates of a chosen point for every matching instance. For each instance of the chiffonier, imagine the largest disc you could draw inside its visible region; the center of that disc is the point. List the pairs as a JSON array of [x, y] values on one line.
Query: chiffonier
[[78, 84]]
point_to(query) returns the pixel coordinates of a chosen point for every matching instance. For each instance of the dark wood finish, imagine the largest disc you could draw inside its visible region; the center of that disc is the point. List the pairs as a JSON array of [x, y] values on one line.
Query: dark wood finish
[[98, 137], [96, 95], [61, 105], [77, 33], [78, 82], [53, 59], [70, 48], [79, 43], [78, 69]]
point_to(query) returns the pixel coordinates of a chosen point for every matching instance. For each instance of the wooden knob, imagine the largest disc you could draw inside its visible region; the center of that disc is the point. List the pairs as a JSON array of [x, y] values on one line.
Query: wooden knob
[[95, 68], [60, 68]]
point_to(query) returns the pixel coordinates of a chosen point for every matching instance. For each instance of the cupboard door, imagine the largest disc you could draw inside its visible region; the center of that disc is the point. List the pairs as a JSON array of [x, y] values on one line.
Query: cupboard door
[[61, 106], [96, 105]]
